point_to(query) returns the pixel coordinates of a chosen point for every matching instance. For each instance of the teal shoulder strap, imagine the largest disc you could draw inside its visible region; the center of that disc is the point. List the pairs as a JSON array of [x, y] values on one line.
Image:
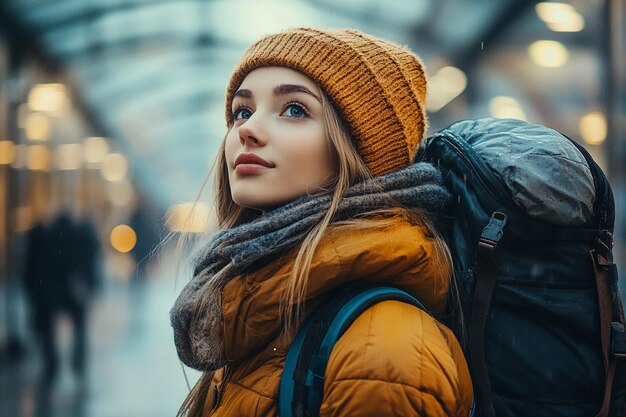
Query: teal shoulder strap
[[302, 381]]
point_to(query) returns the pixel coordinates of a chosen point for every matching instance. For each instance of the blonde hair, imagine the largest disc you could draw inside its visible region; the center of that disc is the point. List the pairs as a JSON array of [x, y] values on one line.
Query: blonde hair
[[351, 170]]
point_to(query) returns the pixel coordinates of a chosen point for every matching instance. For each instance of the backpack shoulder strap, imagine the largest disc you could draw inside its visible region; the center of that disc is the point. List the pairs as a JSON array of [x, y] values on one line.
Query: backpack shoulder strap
[[487, 273], [302, 381]]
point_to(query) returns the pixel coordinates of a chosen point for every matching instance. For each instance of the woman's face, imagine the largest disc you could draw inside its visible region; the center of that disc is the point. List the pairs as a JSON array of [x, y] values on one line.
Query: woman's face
[[277, 150]]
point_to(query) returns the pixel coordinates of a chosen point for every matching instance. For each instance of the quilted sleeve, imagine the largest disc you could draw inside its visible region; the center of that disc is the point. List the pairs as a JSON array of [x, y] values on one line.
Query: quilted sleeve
[[396, 360]]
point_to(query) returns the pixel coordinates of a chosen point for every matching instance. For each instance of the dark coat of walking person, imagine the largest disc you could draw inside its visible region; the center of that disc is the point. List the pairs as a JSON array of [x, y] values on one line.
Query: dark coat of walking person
[[60, 275]]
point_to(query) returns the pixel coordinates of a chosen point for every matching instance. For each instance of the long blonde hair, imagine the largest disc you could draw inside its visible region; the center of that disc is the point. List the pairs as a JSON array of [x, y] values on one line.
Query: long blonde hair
[[351, 170]]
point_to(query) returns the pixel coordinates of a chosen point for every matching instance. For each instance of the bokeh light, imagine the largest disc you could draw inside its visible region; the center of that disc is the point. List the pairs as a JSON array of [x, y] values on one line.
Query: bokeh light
[[123, 238], [504, 107], [189, 217], [7, 152], [96, 149], [48, 98], [114, 167], [38, 126], [549, 54], [444, 86], [560, 17], [38, 158], [593, 128]]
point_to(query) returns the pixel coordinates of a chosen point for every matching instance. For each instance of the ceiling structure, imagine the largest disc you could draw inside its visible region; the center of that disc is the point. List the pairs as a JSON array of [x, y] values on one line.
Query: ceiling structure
[[151, 74]]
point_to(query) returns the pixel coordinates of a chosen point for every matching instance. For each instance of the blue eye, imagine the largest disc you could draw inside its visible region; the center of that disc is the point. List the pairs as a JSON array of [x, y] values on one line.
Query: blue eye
[[297, 111], [242, 113]]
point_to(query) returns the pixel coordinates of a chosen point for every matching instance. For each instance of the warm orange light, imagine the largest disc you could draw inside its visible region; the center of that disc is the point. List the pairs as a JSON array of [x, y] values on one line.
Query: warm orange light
[[38, 126], [444, 86], [188, 218], [96, 149], [504, 107], [593, 128], [48, 98], [123, 238], [38, 158], [7, 152], [575, 23], [560, 17], [549, 54], [554, 12], [114, 167]]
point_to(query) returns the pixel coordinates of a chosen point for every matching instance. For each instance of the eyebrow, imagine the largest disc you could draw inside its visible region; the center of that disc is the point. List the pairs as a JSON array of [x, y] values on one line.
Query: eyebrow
[[294, 88], [244, 93], [281, 89]]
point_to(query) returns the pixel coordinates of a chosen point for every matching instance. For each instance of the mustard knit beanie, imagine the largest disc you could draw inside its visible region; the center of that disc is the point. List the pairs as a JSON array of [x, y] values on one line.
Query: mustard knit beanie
[[378, 86]]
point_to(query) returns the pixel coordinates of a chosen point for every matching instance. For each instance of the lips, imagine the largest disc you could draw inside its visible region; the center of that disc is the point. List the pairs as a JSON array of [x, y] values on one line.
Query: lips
[[249, 164]]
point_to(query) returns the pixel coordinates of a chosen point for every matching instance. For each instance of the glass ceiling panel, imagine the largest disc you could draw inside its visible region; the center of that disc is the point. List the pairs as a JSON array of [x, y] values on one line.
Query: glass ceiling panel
[[153, 72]]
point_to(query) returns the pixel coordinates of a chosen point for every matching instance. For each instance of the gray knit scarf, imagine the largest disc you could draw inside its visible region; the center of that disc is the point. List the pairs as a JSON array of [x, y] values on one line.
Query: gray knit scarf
[[247, 247]]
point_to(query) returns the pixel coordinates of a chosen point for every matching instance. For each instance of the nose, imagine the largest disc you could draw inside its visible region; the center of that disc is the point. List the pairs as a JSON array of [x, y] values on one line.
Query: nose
[[252, 132]]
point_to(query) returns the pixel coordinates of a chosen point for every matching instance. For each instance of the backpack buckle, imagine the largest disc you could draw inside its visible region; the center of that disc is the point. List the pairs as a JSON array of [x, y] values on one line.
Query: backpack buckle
[[618, 341], [493, 232]]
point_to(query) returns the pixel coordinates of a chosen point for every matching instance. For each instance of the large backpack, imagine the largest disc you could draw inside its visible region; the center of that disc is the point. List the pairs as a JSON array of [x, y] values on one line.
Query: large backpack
[[538, 311], [530, 233]]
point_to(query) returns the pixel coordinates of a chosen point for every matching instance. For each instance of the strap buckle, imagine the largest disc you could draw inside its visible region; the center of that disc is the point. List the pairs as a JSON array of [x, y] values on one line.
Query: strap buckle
[[493, 232], [618, 341]]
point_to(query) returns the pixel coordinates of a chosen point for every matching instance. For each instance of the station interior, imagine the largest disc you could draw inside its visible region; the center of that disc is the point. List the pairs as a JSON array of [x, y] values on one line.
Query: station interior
[[112, 112]]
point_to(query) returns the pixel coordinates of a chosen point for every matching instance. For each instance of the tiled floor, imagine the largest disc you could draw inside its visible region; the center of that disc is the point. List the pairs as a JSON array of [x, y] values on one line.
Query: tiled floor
[[133, 372]]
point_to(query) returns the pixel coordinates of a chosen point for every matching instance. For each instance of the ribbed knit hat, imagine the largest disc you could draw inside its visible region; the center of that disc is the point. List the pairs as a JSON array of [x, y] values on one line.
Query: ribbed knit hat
[[378, 86]]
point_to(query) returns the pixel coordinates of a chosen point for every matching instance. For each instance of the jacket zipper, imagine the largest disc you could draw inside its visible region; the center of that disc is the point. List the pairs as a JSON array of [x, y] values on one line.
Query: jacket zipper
[[218, 390], [216, 397]]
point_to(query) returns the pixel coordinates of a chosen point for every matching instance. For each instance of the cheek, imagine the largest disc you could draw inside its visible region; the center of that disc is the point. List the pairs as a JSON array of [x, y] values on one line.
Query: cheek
[[312, 155], [230, 147], [324, 155]]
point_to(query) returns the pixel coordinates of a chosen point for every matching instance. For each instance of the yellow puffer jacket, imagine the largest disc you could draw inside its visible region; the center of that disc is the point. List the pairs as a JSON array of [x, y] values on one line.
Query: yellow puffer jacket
[[395, 360]]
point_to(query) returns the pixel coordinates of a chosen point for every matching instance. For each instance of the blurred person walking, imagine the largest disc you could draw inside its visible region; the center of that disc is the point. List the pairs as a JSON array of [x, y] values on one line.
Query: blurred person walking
[[61, 274]]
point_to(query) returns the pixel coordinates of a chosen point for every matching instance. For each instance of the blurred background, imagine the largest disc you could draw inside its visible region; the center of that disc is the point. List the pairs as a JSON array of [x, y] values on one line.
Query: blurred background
[[111, 112]]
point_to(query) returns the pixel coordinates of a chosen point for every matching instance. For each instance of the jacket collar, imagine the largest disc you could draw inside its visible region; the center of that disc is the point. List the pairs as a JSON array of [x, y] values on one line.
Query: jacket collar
[[398, 254]]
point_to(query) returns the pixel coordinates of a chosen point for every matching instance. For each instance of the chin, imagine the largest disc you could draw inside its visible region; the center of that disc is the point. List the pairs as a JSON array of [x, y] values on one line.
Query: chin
[[256, 201]]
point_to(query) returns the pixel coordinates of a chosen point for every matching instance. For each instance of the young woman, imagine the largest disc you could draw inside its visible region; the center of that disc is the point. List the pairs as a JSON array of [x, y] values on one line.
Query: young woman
[[316, 190]]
